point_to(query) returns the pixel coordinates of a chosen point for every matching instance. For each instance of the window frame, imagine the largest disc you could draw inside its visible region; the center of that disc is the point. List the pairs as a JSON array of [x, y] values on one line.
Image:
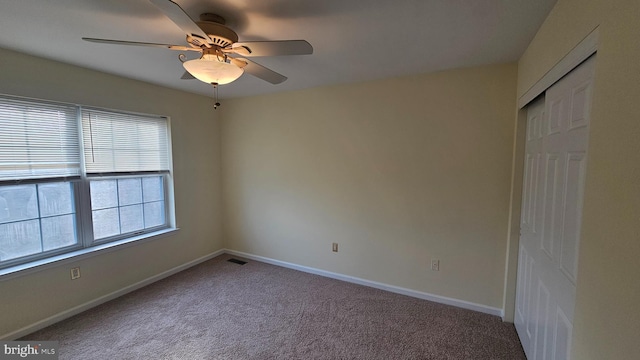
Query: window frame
[[86, 244]]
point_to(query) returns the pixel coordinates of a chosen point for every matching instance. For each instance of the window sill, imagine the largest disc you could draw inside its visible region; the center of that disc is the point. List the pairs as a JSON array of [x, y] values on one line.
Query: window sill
[[62, 259]]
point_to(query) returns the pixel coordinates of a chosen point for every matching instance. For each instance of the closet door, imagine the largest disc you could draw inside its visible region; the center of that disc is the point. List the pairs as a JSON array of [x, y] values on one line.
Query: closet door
[[555, 168]]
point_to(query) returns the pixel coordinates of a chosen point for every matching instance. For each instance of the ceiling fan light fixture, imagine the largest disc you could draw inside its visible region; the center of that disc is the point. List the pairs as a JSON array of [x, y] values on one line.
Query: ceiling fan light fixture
[[213, 71]]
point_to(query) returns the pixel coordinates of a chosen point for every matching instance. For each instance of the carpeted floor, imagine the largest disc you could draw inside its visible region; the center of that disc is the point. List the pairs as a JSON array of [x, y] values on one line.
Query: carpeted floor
[[222, 310]]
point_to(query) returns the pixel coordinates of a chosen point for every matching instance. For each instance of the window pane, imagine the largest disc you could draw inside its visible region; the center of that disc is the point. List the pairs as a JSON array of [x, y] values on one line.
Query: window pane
[[154, 214], [55, 199], [153, 188], [18, 203], [132, 210], [104, 194], [131, 218], [105, 223], [58, 232], [130, 191], [19, 239]]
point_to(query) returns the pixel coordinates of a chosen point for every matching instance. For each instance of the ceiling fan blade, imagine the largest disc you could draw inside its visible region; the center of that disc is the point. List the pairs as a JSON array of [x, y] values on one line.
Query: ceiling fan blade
[[275, 48], [241, 63], [174, 12], [135, 43], [262, 72], [187, 76], [240, 50]]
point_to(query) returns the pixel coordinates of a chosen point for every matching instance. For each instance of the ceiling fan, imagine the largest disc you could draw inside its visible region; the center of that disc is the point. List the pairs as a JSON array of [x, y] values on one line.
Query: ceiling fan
[[222, 57]]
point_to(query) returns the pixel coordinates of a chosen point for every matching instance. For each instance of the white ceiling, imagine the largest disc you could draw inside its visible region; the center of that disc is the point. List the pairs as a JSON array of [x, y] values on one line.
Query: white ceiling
[[353, 40]]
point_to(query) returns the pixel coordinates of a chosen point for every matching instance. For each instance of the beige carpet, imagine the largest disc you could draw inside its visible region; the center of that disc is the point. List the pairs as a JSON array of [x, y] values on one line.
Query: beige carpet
[[222, 310]]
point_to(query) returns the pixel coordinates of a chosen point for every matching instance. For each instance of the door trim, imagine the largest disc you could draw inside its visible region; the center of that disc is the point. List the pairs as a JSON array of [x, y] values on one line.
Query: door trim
[[581, 52]]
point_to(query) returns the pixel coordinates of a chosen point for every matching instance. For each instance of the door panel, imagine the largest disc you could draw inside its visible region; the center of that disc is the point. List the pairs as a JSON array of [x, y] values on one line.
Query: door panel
[[542, 314], [573, 200], [552, 230], [562, 339], [555, 168], [525, 296]]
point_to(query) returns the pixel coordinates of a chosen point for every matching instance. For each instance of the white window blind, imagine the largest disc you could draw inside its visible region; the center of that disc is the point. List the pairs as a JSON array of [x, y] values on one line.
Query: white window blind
[[38, 140], [124, 143]]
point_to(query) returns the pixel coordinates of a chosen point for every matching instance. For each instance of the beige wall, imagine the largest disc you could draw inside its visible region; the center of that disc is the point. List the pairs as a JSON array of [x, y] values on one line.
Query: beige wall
[[607, 320], [395, 171], [196, 159]]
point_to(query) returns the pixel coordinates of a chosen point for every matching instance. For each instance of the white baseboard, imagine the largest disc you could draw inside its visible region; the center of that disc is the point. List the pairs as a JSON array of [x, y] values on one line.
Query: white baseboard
[[374, 284], [391, 288], [95, 302]]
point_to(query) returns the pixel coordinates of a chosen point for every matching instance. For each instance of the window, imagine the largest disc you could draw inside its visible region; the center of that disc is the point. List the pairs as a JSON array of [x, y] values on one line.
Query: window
[[57, 159], [129, 205], [36, 219]]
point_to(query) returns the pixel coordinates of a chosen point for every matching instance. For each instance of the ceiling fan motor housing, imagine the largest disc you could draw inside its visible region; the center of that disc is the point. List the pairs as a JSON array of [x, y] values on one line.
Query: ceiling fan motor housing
[[220, 35]]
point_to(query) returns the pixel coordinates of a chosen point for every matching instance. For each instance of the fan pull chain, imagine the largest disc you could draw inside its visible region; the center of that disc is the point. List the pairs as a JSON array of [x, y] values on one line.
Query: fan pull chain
[[215, 94]]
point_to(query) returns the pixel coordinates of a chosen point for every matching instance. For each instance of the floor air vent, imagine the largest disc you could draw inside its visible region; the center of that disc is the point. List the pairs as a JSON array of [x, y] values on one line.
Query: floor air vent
[[236, 261]]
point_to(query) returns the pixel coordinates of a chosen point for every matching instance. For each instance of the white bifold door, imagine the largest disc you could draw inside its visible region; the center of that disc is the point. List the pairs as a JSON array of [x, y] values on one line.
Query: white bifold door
[[552, 196]]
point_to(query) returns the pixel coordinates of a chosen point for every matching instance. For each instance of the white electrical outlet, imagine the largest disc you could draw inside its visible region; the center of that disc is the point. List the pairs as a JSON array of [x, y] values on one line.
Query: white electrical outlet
[[75, 273], [334, 247], [435, 264]]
